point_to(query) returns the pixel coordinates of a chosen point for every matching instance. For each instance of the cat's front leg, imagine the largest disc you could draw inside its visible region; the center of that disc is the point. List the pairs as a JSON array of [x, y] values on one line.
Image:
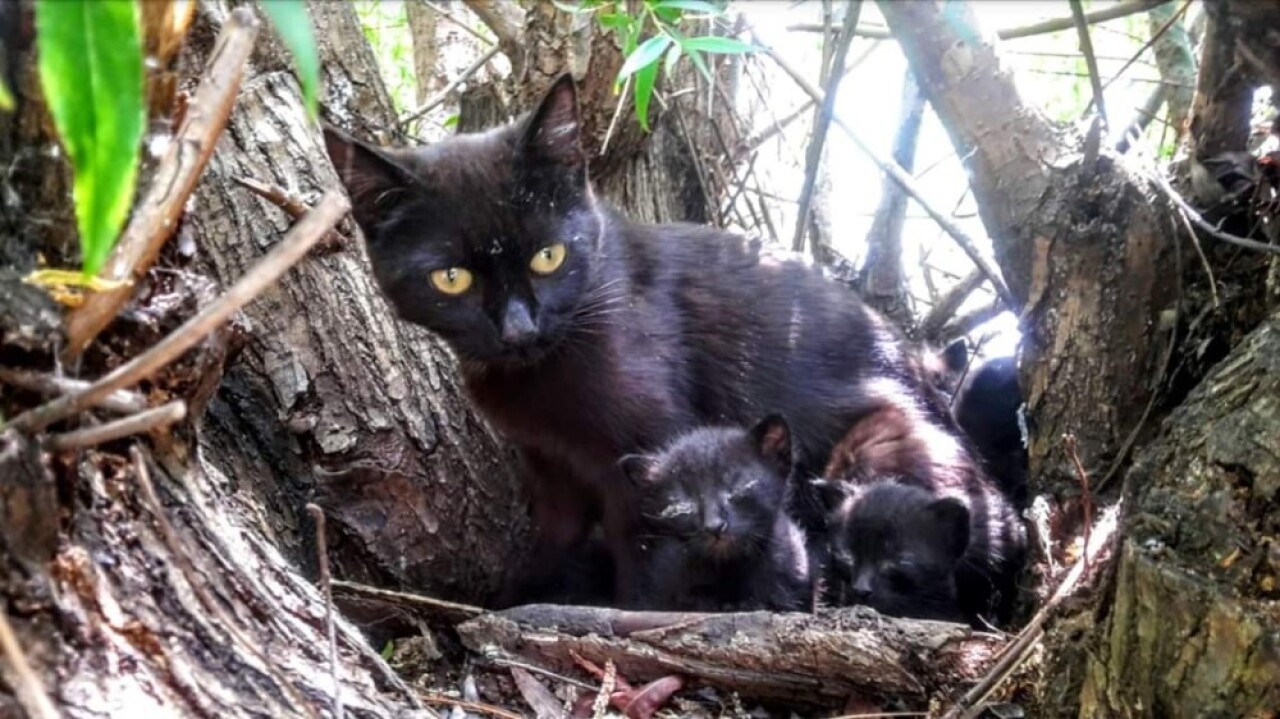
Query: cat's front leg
[[562, 512]]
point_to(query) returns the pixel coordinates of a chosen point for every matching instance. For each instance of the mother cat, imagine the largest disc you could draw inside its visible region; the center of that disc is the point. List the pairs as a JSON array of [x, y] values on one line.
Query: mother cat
[[583, 337]]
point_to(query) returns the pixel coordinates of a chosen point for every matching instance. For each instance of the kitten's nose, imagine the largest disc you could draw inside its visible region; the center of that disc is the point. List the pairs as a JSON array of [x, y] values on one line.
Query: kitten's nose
[[517, 325], [860, 592], [716, 526]]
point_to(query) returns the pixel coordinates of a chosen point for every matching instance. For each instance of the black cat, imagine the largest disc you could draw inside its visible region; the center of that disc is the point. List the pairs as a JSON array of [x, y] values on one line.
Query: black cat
[[713, 531], [916, 528], [986, 407], [584, 338]]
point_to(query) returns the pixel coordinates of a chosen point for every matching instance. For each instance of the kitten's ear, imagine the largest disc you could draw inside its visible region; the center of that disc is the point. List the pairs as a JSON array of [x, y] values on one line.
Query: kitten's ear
[[374, 181], [635, 467], [553, 132], [771, 438], [832, 493], [949, 518]]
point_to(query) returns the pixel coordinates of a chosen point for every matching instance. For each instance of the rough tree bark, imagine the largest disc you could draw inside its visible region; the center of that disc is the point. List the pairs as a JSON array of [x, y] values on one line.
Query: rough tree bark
[[332, 399]]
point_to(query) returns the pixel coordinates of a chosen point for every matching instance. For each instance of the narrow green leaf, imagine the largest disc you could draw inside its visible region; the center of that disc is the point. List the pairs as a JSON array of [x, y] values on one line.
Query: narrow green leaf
[[673, 57], [387, 650], [668, 15], [718, 45], [90, 63], [645, 79], [689, 5], [645, 55], [6, 97], [613, 20], [698, 62], [451, 122], [294, 25]]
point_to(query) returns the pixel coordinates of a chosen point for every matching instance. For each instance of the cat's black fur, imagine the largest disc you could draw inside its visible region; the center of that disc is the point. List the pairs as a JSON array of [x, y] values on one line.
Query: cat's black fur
[[986, 407], [916, 528], [645, 332], [713, 531]]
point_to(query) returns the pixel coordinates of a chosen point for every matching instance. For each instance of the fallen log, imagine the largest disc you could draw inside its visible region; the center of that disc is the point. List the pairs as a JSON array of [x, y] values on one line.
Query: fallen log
[[814, 659]]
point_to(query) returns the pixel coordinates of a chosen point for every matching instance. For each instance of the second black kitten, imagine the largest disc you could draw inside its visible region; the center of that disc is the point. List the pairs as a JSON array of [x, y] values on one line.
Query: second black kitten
[[713, 533]]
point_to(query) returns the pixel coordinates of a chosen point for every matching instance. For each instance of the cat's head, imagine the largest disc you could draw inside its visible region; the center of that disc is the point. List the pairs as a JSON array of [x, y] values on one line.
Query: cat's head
[[486, 239], [717, 490], [895, 548]]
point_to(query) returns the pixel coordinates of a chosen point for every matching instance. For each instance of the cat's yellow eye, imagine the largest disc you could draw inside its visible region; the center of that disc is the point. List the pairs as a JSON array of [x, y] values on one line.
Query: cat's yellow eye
[[548, 259], [452, 280]]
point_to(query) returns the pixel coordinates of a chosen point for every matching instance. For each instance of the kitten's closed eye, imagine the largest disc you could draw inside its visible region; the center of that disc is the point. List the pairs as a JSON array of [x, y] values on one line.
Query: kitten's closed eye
[[548, 259], [452, 281]]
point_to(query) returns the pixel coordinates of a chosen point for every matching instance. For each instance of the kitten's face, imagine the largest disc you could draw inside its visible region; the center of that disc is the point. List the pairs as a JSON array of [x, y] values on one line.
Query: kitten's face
[[716, 491], [895, 548], [486, 239]]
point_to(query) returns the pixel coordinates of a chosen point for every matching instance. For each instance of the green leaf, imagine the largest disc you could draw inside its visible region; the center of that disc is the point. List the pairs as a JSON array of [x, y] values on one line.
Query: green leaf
[[294, 25], [90, 55], [673, 57], [645, 55], [451, 122], [698, 62], [718, 45], [614, 20], [689, 5], [387, 650], [645, 79], [6, 97]]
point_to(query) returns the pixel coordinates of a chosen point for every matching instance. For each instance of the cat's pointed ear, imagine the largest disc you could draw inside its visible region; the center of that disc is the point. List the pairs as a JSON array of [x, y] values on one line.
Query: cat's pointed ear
[[374, 181], [771, 438], [636, 467], [832, 493], [949, 519], [553, 134]]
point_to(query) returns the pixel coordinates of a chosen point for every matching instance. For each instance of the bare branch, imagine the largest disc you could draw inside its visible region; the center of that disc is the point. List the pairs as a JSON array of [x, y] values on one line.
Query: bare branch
[[948, 304], [1199, 221], [120, 401], [442, 12], [822, 122], [286, 254], [162, 416], [156, 217], [27, 687], [1090, 60], [503, 17], [326, 588], [449, 89]]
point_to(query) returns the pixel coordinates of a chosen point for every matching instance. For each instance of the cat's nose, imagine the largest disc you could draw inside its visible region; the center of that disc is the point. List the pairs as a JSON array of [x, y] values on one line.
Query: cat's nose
[[716, 526], [517, 324]]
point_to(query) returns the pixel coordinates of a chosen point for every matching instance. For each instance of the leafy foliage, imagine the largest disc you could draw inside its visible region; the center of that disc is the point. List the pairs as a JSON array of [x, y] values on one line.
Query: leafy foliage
[[643, 58], [91, 72], [293, 24]]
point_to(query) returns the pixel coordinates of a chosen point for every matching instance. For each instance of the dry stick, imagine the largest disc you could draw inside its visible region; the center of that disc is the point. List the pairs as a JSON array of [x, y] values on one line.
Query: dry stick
[[1014, 654], [1069, 441], [162, 416], [457, 21], [822, 123], [948, 304], [156, 217], [1090, 60], [292, 248], [1192, 214], [295, 206], [466, 611], [440, 700], [27, 687], [1114, 12], [187, 569], [440, 97], [120, 402], [1155, 37], [905, 181], [322, 557]]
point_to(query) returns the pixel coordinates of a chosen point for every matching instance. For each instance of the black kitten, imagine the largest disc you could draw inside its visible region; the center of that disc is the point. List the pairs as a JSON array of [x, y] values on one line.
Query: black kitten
[[987, 408], [583, 337], [713, 531], [916, 527]]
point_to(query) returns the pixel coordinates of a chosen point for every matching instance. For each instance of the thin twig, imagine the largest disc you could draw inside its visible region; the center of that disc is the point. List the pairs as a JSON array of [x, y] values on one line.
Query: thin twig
[[441, 700], [326, 588], [1043, 27], [1090, 60], [440, 97], [187, 569], [1193, 215], [286, 254], [503, 17], [156, 217], [295, 206], [162, 416], [27, 687], [457, 21], [905, 181], [1016, 652], [1155, 37], [121, 401], [506, 661], [467, 611], [946, 306], [1086, 499], [822, 123]]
